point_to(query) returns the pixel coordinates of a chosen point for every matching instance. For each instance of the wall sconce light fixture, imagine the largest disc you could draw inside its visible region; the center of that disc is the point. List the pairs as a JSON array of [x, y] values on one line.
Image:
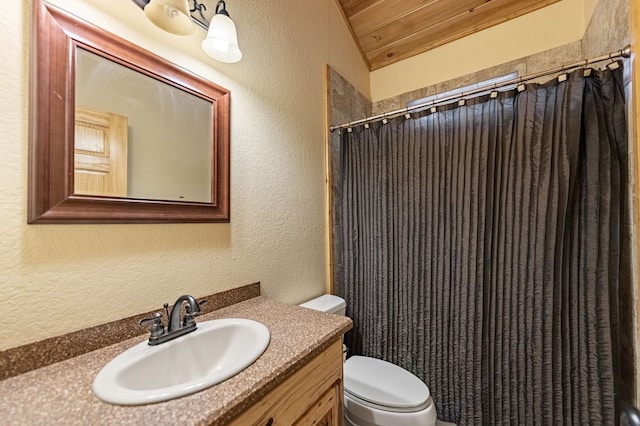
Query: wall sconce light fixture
[[222, 40], [170, 15], [177, 17]]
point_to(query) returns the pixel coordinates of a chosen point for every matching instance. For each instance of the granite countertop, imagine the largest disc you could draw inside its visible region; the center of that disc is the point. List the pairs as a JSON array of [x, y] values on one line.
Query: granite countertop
[[61, 393]]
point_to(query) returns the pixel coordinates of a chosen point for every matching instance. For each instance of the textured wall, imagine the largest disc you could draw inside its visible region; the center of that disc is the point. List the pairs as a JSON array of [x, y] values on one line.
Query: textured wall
[[59, 278], [571, 52], [608, 29]]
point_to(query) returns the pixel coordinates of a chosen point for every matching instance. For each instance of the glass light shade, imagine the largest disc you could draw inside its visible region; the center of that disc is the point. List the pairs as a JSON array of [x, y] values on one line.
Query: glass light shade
[[171, 15], [222, 41]]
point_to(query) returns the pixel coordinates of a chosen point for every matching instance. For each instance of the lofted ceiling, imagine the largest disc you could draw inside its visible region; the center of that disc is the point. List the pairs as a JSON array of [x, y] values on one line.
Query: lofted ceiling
[[389, 31]]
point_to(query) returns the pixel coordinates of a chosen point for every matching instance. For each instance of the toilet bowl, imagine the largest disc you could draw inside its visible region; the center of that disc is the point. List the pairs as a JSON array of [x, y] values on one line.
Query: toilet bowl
[[377, 392]]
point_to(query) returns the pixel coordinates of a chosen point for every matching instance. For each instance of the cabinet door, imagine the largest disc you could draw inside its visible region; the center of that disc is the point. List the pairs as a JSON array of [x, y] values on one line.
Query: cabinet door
[[325, 412], [309, 392]]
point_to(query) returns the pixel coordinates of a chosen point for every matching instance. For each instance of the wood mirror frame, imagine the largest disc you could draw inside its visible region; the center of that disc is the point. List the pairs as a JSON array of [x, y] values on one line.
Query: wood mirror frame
[[56, 35]]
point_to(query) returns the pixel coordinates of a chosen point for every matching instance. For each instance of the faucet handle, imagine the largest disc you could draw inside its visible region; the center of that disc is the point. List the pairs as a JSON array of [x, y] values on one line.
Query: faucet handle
[[189, 316], [155, 323]]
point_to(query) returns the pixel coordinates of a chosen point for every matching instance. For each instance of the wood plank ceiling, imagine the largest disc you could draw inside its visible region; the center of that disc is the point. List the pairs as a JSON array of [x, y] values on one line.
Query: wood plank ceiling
[[389, 31]]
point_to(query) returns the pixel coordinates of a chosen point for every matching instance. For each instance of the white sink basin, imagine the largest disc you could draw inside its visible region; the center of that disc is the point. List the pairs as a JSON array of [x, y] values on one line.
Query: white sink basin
[[216, 351]]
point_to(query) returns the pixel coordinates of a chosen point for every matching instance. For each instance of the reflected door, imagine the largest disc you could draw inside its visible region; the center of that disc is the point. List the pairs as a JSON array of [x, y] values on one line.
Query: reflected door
[[100, 153]]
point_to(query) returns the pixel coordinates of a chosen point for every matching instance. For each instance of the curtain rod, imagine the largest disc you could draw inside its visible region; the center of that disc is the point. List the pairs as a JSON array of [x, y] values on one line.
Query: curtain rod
[[622, 53]]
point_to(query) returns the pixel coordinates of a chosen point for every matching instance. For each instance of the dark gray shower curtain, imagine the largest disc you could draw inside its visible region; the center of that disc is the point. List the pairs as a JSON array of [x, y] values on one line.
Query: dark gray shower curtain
[[479, 247]]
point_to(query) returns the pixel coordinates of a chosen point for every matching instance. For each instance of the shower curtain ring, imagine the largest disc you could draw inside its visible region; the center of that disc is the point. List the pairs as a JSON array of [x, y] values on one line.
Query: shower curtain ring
[[462, 100], [586, 71], [563, 75], [494, 91]]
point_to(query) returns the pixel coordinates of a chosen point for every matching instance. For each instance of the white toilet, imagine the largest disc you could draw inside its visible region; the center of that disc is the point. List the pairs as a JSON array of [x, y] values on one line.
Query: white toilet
[[376, 392]]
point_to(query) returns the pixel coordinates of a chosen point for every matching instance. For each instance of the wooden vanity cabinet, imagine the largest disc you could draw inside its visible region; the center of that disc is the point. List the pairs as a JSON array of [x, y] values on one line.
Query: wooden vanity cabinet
[[311, 396]]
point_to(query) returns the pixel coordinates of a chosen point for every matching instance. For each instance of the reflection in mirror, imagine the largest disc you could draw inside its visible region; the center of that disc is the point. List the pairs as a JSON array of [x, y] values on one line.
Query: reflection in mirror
[[100, 153], [118, 134], [168, 134]]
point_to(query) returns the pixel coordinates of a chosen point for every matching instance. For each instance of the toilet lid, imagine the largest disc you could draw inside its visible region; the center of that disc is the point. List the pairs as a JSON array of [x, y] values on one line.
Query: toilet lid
[[383, 383]]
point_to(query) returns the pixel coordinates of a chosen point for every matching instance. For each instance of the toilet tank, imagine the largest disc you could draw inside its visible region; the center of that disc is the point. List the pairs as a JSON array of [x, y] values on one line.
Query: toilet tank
[[327, 303]]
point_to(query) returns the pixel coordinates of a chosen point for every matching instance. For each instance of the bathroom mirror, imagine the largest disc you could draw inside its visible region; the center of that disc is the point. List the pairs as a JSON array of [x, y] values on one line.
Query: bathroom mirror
[[118, 134]]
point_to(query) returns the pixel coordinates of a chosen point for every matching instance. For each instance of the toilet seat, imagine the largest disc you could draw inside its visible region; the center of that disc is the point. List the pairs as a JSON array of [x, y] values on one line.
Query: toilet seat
[[384, 386]]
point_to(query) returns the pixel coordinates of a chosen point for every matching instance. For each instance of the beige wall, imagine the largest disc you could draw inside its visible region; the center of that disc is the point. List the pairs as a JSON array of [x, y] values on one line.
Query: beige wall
[[59, 278], [556, 25]]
